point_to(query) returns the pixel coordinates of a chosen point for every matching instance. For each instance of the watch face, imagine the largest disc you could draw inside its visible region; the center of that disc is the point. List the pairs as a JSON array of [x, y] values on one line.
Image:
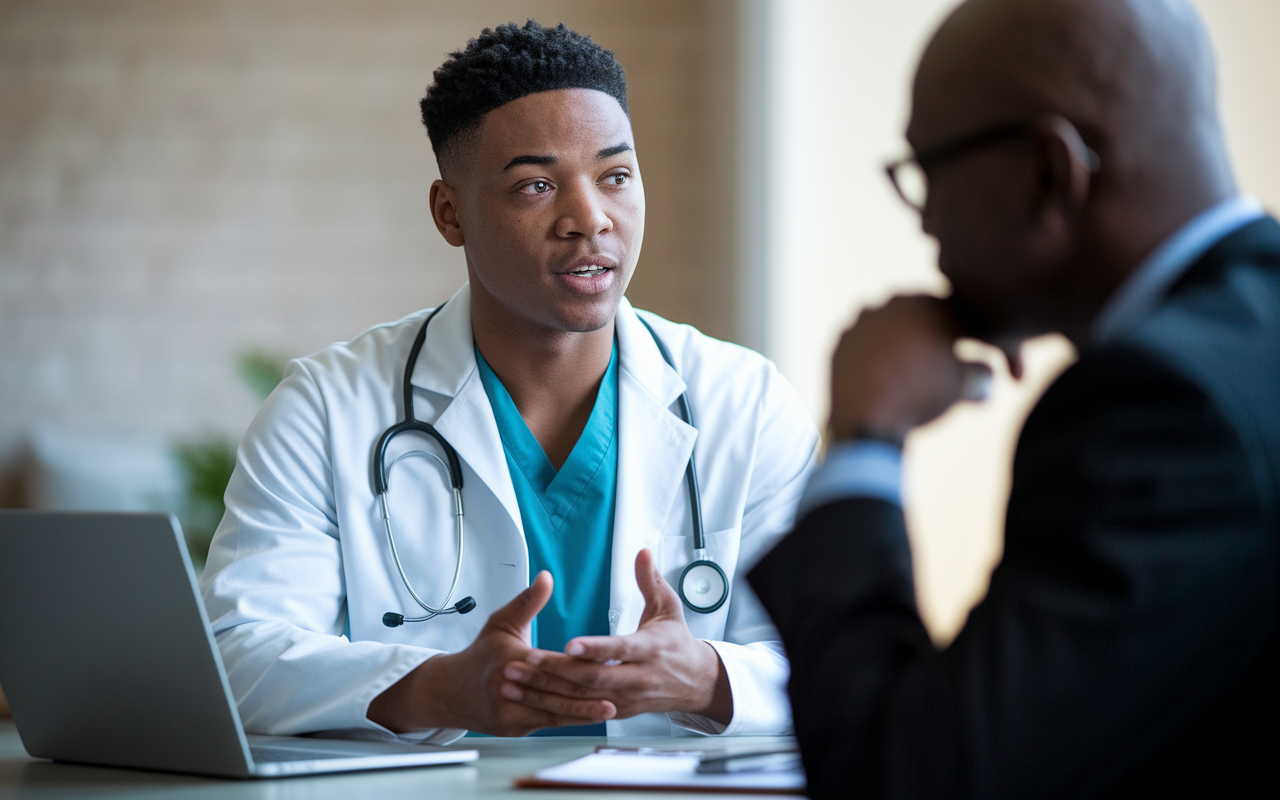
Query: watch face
[[703, 586]]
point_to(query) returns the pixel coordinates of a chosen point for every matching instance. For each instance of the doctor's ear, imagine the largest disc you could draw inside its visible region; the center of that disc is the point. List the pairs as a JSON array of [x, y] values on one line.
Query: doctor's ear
[[444, 211]]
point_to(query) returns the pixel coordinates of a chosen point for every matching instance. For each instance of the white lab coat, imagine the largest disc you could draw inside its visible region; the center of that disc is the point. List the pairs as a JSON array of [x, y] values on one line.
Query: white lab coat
[[299, 572]]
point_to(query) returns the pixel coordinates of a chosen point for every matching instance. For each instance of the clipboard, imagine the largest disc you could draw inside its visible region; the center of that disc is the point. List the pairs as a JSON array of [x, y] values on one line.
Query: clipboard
[[656, 770]]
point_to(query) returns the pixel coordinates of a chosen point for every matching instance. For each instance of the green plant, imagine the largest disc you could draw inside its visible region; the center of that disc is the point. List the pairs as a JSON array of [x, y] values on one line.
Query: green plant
[[206, 463], [262, 371]]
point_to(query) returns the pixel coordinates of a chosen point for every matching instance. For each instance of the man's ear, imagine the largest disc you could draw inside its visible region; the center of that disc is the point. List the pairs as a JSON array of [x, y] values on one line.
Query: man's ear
[[1063, 175], [1066, 166], [444, 211]]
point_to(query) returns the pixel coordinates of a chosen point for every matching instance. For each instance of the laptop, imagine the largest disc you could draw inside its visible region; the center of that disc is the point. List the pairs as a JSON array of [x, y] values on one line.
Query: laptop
[[107, 657]]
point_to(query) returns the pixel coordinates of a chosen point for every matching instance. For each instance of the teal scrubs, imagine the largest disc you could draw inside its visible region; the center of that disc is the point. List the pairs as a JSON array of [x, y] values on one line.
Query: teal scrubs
[[567, 514]]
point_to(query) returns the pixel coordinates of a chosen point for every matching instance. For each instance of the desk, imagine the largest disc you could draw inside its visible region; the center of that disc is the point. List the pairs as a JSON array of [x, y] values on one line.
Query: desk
[[501, 761]]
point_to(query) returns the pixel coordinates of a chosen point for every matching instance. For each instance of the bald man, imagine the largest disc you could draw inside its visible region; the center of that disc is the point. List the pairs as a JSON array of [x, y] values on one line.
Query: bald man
[[1076, 180]]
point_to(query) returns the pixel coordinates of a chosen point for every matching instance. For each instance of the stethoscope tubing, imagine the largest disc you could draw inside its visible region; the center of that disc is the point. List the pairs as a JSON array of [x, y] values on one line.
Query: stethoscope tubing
[[691, 469], [700, 560], [454, 467], [444, 607]]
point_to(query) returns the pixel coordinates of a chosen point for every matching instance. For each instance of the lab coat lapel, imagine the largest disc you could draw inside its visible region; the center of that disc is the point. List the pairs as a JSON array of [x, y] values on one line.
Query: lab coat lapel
[[654, 446], [447, 366]]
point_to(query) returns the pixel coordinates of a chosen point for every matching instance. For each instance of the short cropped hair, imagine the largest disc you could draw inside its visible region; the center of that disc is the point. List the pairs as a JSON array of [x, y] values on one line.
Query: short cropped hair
[[506, 63]]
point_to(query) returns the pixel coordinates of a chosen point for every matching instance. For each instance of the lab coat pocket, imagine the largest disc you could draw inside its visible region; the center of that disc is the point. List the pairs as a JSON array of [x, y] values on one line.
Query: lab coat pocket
[[676, 553]]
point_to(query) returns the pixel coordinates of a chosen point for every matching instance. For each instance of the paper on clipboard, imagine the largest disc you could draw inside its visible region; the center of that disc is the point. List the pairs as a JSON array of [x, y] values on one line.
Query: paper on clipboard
[[658, 770]]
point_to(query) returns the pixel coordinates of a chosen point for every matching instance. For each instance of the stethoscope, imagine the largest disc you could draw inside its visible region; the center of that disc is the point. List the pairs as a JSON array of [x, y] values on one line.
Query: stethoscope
[[703, 586]]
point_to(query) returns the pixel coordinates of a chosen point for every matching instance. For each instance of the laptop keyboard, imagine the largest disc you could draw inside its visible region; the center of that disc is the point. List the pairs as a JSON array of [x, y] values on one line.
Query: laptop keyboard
[[266, 754]]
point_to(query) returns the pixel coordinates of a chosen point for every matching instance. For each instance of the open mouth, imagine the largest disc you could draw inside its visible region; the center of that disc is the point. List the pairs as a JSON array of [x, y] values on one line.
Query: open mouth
[[589, 274], [588, 271]]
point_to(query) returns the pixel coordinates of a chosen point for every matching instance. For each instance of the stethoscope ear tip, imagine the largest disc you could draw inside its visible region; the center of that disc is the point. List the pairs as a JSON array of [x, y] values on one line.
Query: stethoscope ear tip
[[465, 605], [392, 620]]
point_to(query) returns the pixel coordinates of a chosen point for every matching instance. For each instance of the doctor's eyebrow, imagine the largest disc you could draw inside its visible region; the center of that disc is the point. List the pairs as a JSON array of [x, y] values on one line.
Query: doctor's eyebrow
[[613, 151], [543, 161], [537, 161]]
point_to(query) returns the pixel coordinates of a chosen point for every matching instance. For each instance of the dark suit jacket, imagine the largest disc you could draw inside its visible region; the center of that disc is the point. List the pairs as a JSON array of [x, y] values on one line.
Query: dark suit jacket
[[1127, 644]]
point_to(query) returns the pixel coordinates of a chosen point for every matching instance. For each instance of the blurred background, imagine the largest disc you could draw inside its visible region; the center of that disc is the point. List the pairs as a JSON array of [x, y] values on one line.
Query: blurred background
[[193, 192]]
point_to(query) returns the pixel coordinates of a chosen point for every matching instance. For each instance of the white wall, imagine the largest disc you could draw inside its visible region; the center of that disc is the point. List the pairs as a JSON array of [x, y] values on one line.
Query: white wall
[[839, 239], [1244, 33]]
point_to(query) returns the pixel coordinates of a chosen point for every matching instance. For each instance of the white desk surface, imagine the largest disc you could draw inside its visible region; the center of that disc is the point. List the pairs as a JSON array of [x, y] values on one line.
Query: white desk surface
[[501, 761]]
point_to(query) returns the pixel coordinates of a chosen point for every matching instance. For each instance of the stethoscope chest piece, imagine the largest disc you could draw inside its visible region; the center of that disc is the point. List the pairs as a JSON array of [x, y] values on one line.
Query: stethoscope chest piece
[[703, 586]]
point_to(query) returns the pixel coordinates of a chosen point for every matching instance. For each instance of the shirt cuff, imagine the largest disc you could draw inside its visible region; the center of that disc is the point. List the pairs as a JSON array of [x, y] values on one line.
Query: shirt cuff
[[757, 680], [854, 469], [696, 723]]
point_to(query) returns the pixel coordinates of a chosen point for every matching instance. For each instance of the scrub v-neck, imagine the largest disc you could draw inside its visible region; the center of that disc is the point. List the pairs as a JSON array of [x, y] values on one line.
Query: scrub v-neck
[[567, 513]]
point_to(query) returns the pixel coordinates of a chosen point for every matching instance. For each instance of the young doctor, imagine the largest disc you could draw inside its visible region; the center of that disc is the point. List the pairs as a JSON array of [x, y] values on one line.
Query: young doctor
[[528, 450]]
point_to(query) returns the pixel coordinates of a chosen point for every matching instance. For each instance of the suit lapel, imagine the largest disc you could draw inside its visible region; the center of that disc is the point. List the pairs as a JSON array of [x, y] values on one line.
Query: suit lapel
[[1258, 241]]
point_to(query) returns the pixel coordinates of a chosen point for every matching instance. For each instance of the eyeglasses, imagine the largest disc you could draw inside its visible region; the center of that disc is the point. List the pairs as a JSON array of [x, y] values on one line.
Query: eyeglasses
[[910, 177]]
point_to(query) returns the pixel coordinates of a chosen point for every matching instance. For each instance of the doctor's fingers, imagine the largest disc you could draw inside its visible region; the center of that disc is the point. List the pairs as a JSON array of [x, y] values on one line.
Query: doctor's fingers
[[560, 709], [595, 680], [533, 678], [660, 600], [599, 649], [515, 617]]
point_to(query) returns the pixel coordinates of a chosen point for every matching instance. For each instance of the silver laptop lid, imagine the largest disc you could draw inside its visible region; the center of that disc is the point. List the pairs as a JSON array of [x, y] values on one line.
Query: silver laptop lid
[[106, 654]]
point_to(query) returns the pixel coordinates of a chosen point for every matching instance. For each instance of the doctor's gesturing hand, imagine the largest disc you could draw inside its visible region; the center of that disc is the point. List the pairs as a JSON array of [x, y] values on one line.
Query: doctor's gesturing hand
[[661, 667], [473, 695]]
